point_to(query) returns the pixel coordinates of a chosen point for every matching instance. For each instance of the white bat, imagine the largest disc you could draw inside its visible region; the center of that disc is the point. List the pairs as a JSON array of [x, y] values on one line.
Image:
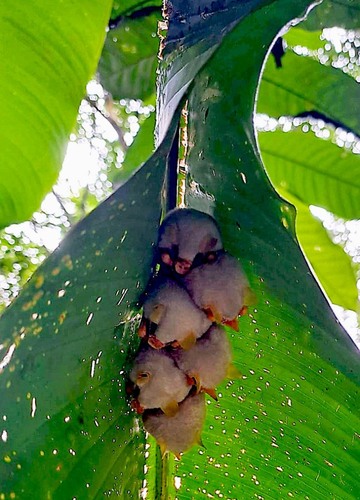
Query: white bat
[[184, 234]]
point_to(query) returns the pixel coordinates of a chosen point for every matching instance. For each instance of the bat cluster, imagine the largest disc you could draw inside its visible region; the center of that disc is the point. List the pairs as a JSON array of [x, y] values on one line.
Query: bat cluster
[[184, 350]]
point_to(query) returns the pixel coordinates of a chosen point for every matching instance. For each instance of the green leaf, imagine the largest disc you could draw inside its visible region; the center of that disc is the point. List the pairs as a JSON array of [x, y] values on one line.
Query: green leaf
[[342, 14], [128, 7], [310, 39], [67, 430], [314, 170], [288, 427], [139, 151], [332, 266], [47, 58], [127, 67], [303, 84]]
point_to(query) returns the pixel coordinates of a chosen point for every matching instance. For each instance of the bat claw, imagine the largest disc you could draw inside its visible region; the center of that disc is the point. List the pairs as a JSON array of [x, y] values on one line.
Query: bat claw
[[142, 329], [243, 311], [211, 392], [232, 323]]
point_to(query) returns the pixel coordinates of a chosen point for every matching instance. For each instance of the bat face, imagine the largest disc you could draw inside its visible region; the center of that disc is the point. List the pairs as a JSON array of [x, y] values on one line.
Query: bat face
[[160, 383], [184, 234], [175, 315], [179, 433]]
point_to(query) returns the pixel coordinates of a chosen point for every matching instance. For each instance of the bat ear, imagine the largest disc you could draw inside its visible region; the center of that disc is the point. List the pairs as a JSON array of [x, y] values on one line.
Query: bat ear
[[157, 313], [207, 243]]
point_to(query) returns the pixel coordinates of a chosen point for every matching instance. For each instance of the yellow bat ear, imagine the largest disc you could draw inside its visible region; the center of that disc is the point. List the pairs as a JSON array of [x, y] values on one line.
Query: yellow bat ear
[[142, 378], [171, 409], [233, 372], [157, 313], [250, 298], [188, 342]]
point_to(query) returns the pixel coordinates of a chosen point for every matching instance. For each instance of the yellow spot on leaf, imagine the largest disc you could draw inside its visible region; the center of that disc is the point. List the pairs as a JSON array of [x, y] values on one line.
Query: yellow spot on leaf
[[66, 260], [37, 330], [7, 459], [38, 296], [55, 271], [97, 253], [39, 281], [62, 317]]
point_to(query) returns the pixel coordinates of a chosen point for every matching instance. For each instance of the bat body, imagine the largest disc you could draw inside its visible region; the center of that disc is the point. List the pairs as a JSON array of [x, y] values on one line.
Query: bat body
[[161, 384], [179, 433], [183, 235], [220, 288], [209, 361], [170, 307]]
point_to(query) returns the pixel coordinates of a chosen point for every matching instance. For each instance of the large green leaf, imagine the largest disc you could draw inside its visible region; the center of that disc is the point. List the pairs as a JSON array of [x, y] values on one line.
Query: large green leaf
[[303, 84], [332, 266], [340, 13], [288, 428], [126, 8], [314, 170], [65, 342], [47, 58], [138, 152], [127, 67], [310, 39]]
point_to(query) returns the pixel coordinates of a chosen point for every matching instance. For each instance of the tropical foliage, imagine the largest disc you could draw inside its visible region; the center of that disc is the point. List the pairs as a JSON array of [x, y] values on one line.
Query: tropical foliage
[[290, 425]]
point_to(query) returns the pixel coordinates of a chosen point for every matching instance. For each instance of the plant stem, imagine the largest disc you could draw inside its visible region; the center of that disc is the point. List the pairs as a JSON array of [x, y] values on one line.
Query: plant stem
[[164, 476], [172, 174]]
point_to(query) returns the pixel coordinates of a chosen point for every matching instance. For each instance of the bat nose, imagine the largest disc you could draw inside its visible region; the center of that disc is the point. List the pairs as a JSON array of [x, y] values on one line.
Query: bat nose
[[182, 266]]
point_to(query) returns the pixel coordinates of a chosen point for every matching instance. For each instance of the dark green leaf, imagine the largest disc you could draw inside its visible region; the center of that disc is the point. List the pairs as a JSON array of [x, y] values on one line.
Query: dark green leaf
[[340, 13], [127, 67], [47, 58], [67, 430], [126, 8], [288, 427]]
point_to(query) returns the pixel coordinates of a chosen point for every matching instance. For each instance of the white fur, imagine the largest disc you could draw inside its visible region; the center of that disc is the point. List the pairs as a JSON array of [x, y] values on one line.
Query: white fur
[[221, 284], [180, 317], [181, 432], [166, 382], [209, 359], [190, 230]]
